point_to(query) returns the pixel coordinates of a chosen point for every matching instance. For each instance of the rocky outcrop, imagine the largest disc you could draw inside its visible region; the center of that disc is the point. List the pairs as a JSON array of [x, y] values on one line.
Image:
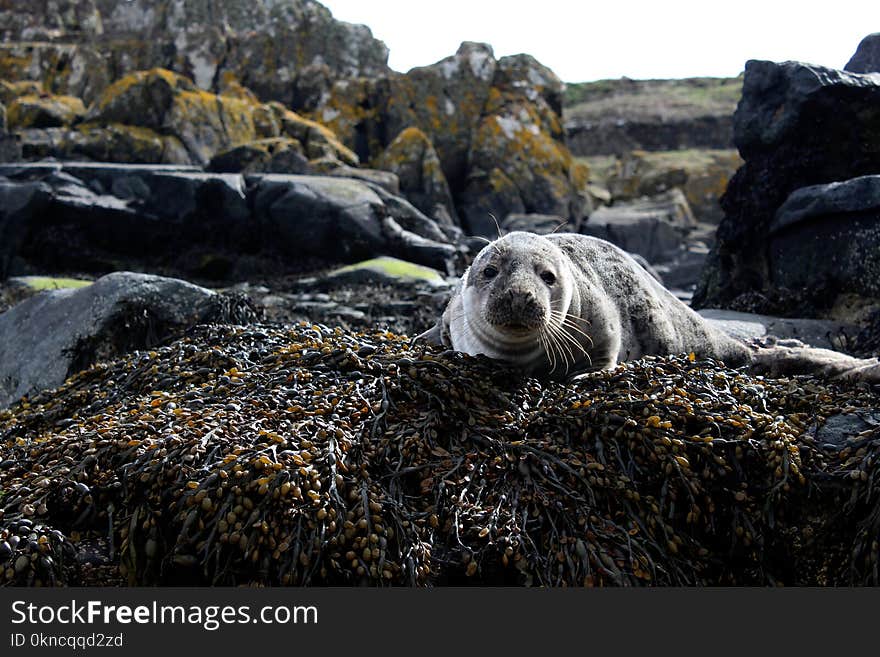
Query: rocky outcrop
[[99, 218], [495, 126], [412, 158], [613, 117], [797, 126], [46, 338], [867, 56], [277, 49], [160, 117]]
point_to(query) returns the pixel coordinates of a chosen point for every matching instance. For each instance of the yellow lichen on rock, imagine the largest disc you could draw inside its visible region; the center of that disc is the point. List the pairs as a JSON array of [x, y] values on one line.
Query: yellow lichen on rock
[[44, 111]]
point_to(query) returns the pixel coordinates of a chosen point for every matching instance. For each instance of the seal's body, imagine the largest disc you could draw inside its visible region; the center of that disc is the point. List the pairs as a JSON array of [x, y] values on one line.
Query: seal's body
[[561, 304]]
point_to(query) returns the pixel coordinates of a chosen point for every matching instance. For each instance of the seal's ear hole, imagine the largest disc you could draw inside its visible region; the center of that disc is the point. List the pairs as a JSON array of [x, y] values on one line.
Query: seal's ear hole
[[490, 271], [548, 277]]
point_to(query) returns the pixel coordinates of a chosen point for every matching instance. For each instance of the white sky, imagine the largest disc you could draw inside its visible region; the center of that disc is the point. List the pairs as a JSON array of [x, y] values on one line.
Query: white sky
[[582, 40]]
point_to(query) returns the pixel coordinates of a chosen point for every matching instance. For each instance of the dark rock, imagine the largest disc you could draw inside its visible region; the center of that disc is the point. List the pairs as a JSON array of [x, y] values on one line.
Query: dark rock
[[828, 334], [867, 56], [654, 228], [97, 218], [384, 179], [839, 430], [2, 118], [828, 236], [273, 155], [797, 126], [46, 338]]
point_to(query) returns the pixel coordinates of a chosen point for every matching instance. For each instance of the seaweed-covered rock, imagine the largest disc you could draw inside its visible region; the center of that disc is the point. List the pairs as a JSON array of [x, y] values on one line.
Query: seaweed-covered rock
[[45, 111], [46, 338], [797, 125], [412, 158], [866, 59], [310, 455]]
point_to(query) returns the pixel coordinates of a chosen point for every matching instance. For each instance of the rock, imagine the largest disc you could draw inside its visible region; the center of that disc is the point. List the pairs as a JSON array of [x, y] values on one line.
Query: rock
[[701, 174], [269, 47], [169, 103], [273, 155], [654, 228], [384, 179], [828, 237], [827, 334], [412, 158], [796, 126], [45, 111], [46, 338], [318, 141], [2, 118], [9, 91], [494, 125], [339, 218], [867, 56], [101, 217], [111, 143], [542, 224]]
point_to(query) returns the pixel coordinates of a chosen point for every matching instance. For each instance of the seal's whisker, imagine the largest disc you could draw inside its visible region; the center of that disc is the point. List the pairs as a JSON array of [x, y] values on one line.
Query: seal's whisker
[[572, 327], [564, 351], [497, 225]]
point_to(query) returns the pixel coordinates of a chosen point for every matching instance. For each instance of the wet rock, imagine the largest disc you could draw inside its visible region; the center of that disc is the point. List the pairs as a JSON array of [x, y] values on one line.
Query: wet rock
[[828, 334], [45, 111], [46, 338], [867, 56], [797, 126], [654, 228], [412, 158]]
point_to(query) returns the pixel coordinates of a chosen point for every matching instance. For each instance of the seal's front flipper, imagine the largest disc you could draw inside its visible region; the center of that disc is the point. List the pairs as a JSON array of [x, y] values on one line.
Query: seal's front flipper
[[433, 336], [782, 360]]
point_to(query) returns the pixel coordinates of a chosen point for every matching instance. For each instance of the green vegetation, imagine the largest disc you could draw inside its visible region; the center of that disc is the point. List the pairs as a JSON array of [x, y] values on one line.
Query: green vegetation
[[40, 283], [393, 267], [637, 98]]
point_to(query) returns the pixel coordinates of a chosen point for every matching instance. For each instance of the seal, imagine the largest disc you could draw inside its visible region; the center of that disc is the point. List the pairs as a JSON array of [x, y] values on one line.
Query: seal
[[563, 304]]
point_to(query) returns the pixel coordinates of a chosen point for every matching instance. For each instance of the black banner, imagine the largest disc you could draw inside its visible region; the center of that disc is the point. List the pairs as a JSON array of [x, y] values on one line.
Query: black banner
[[455, 621]]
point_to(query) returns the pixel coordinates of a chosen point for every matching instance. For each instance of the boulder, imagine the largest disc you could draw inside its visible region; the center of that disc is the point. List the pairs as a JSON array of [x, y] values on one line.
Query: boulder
[[114, 142], [867, 56], [797, 126], [654, 228], [828, 237], [45, 111], [494, 124], [269, 47], [412, 158], [9, 91], [57, 333]]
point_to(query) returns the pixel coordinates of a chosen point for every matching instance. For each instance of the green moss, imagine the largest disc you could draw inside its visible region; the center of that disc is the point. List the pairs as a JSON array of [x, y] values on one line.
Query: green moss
[[51, 283], [395, 268]]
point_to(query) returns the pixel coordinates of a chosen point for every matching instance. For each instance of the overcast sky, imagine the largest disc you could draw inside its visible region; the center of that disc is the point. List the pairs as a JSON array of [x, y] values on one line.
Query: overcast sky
[[583, 40]]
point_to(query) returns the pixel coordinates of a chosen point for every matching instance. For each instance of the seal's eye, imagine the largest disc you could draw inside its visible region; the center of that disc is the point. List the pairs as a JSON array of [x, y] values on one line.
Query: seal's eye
[[490, 272], [548, 277]]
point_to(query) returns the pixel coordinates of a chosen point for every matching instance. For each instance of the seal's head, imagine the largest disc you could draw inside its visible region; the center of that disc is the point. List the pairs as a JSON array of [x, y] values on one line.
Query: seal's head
[[517, 290]]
